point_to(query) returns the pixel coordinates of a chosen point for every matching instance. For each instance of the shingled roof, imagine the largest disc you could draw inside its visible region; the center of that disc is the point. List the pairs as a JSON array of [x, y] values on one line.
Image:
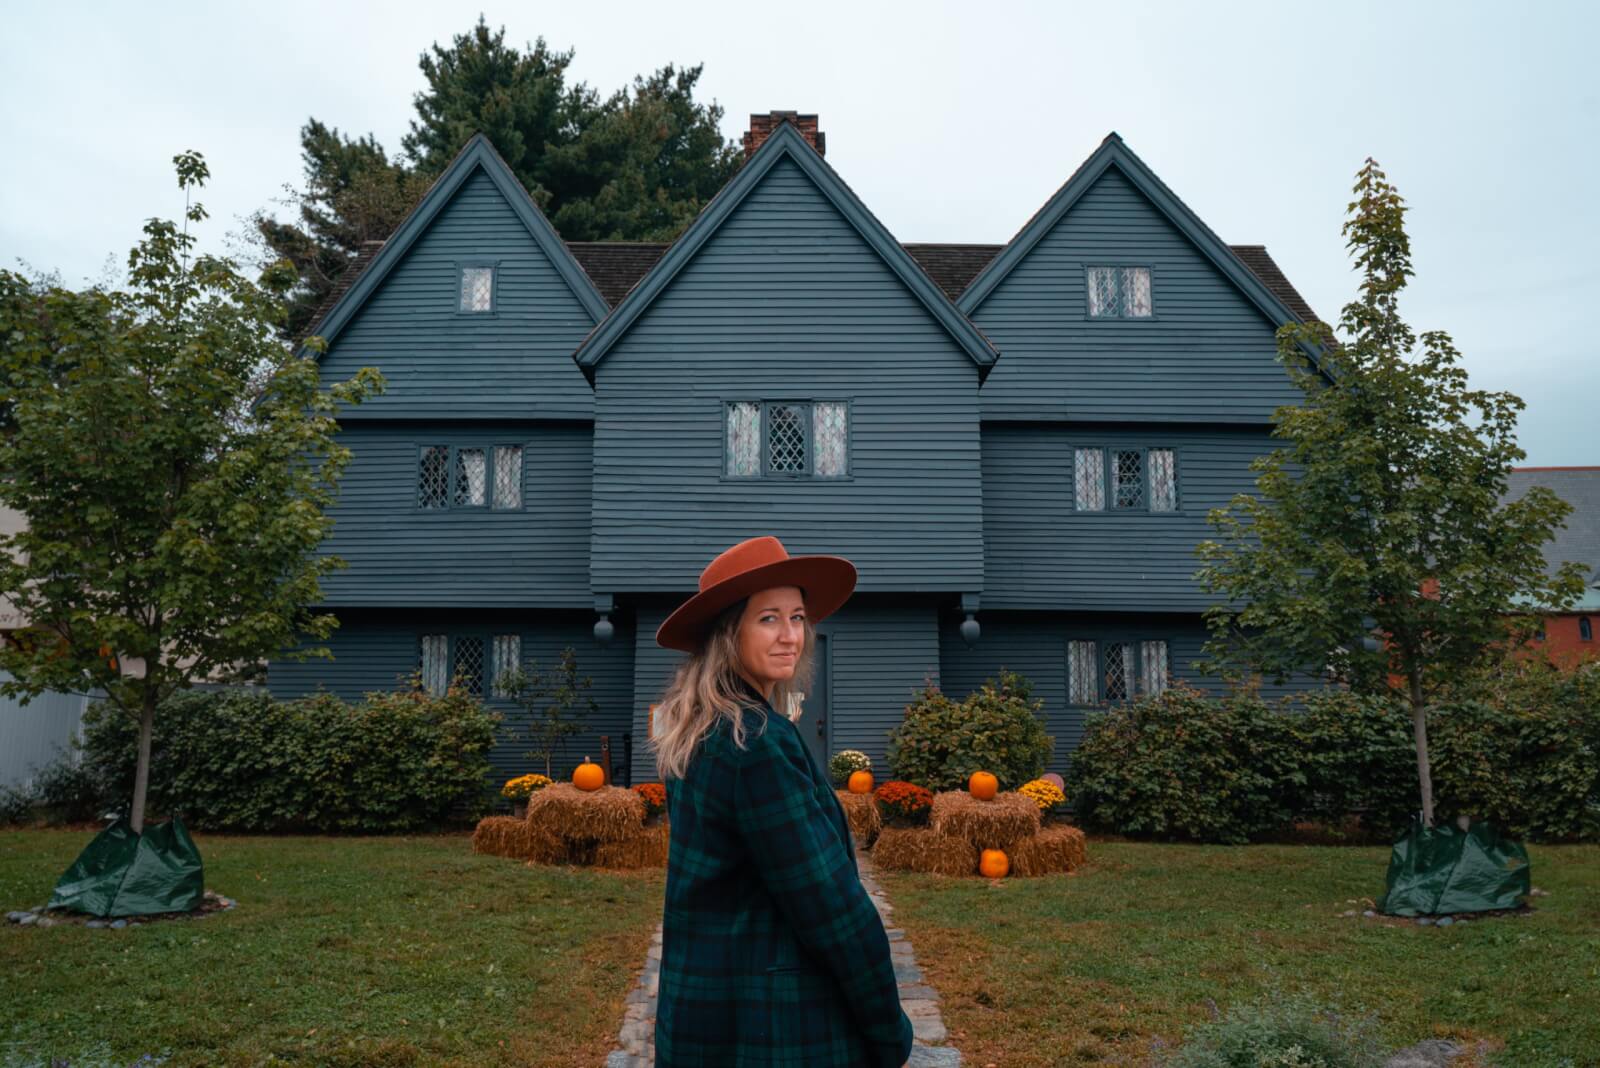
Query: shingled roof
[[1579, 541], [347, 278]]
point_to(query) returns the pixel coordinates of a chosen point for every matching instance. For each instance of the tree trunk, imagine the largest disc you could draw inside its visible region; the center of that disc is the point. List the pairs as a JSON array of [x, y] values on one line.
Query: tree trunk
[[1419, 723], [141, 776]]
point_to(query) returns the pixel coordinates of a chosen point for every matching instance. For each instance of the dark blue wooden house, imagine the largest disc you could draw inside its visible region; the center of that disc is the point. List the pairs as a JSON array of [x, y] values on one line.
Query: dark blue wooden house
[[1017, 445]]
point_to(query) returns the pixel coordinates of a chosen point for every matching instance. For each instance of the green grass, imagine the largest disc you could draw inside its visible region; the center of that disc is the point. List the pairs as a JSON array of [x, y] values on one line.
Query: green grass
[[343, 951], [1090, 968]]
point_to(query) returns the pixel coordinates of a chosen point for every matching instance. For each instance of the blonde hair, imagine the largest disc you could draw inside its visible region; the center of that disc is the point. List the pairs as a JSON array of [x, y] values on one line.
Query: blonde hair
[[708, 688]]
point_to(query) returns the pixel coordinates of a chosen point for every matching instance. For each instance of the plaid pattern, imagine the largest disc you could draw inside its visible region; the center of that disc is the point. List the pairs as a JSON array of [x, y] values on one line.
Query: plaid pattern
[[772, 954]]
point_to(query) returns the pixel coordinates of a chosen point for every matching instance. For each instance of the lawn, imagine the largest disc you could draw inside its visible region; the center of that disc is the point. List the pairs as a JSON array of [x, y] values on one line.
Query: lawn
[[1090, 968], [342, 952]]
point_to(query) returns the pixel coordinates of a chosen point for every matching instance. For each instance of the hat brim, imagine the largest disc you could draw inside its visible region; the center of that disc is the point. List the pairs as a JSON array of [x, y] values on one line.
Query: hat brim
[[825, 582]]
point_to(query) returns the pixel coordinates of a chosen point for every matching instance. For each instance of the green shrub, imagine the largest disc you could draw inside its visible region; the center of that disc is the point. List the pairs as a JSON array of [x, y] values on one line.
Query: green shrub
[[63, 790], [1281, 1033], [238, 760], [999, 728], [1185, 765], [1358, 755]]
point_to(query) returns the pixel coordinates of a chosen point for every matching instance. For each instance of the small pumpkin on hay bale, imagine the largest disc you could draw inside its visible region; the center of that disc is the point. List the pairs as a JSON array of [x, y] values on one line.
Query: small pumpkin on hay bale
[[608, 814], [922, 849], [862, 812], [996, 824], [1057, 848], [502, 836]]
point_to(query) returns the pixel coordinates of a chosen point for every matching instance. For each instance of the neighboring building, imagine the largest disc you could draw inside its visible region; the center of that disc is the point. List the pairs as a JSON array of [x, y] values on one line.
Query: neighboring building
[[1017, 445], [1570, 636]]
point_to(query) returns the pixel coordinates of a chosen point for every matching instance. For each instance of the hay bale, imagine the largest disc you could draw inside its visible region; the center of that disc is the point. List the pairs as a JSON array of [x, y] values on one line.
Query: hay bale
[[923, 849], [862, 812], [502, 836], [647, 849], [1058, 848], [546, 848], [609, 814], [996, 824]]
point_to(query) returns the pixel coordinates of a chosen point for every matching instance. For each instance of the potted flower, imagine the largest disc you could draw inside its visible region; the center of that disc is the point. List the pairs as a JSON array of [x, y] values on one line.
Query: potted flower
[[655, 799], [1050, 798], [520, 789], [845, 763], [903, 804]]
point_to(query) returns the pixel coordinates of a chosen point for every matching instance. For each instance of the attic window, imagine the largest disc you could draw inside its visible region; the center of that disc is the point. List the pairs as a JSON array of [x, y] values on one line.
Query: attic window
[[1119, 293], [477, 289]]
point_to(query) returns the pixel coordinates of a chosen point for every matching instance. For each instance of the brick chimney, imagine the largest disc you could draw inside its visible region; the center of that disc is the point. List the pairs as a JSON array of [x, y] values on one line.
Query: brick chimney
[[762, 127]]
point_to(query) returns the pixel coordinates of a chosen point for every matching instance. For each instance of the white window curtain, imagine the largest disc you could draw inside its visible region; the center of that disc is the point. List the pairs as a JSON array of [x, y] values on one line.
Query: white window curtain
[[434, 663], [1152, 667], [830, 434], [507, 656], [477, 289], [508, 476], [744, 439], [1083, 664], [1102, 283], [472, 469], [1089, 479], [1163, 480], [1136, 292]]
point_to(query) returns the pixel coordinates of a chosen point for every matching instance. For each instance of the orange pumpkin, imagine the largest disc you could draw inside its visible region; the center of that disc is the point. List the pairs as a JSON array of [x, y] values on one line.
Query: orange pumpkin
[[587, 776], [860, 782], [994, 864], [983, 785]]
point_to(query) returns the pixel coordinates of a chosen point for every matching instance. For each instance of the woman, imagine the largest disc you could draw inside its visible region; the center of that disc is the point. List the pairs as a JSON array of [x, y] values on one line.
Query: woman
[[771, 953]]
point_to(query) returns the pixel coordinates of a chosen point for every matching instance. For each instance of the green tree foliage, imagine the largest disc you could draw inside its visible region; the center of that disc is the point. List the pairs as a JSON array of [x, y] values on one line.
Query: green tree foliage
[[555, 702], [1383, 511], [999, 728], [636, 165], [173, 461]]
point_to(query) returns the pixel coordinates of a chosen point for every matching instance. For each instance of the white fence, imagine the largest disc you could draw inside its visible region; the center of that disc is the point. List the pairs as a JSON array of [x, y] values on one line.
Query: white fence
[[37, 734]]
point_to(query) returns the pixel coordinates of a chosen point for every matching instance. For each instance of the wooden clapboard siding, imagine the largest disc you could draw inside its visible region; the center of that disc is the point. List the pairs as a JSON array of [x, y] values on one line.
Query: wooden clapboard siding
[[401, 555], [515, 363], [372, 652], [1042, 553], [787, 301], [1207, 356]]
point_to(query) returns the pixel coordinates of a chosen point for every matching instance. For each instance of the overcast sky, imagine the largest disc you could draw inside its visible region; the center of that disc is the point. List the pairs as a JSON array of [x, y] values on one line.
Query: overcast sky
[[953, 122]]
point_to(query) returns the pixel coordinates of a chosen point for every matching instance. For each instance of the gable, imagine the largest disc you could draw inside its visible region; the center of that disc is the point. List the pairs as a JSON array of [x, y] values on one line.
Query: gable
[[1208, 353], [400, 311]]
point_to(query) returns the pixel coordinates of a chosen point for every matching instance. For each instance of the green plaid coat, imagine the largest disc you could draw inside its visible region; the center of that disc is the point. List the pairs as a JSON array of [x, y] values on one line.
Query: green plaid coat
[[772, 953]]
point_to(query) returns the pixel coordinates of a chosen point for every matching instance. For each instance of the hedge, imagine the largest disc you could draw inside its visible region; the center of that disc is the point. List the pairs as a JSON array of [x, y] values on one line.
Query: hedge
[[240, 761]]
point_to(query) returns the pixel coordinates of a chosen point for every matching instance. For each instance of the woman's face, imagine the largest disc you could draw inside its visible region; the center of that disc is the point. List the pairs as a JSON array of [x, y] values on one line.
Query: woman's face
[[772, 635]]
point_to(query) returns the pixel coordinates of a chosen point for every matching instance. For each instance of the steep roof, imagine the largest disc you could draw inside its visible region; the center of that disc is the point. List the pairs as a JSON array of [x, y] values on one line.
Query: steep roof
[[786, 143], [476, 155], [1579, 541]]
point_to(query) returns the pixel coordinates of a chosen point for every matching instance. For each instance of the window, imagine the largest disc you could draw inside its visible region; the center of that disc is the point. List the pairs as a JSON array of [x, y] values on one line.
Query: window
[[1585, 629], [507, 658], [1099, 672], [1133, 479], [788, 439], [467, 665], [1089, 479], [432, 663], [469, 477], [1119, 292], [477, 289], [1152, 667]]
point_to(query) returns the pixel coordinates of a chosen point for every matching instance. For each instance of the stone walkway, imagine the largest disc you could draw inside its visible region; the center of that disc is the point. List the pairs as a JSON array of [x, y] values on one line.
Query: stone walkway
[[919, 999]]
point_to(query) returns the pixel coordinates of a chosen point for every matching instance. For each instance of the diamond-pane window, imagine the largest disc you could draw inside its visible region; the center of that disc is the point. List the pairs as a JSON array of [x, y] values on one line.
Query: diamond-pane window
[[433, 664], [467, 671], [1089, 479], [477, 289], [1152, 667], [1163, 480], [786, 438], [472, 471], [744, 439], [1119, 670], [507, 657], [830, 433], [433, 477], [1119, 292], [1127, 478], [508, 476], [1082, 666]]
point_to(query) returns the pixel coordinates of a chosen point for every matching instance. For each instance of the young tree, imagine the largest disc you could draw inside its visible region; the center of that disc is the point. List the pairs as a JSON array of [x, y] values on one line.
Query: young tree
[[556, 701], [173, 461], [1383, 514]]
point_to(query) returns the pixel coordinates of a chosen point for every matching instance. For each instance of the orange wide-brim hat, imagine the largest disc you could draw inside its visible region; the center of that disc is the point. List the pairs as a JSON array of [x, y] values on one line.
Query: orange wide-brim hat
[[825, 582]]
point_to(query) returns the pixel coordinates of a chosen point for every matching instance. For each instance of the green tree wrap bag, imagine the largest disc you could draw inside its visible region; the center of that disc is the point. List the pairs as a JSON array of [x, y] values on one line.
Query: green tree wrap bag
[[120, 873], [1436, 871]]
